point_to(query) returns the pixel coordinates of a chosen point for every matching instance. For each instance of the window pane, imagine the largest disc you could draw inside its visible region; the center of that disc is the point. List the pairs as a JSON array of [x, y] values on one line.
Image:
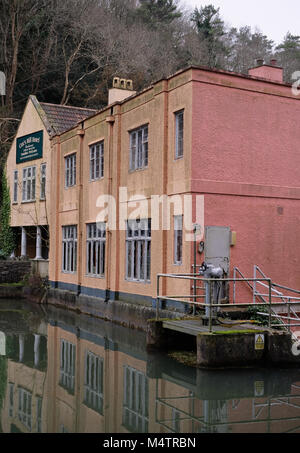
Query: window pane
[[139, 148], [70, 170], [179, 134], [96, 249], [69, 249], [138, 245], [96, 161]]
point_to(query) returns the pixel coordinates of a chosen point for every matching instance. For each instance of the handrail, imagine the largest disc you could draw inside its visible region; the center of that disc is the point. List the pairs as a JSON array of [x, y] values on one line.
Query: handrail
[[195, 278], [191, 299], [236, 270], [287, 288]]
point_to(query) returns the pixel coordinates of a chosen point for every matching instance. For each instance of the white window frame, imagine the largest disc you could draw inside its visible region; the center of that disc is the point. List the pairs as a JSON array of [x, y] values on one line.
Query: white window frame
[[29, 184], [69, 249], [138, 250], [135, 400], [179, 131], [67, 365], [70, 170], [178, 239], [94, 382], [16, 183], [25, 407], [95, 249], [138, 148], [97, 161], [43, 181]]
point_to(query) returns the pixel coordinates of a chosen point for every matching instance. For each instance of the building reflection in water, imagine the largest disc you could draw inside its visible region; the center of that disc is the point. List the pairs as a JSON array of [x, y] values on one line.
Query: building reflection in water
[[84, 375]]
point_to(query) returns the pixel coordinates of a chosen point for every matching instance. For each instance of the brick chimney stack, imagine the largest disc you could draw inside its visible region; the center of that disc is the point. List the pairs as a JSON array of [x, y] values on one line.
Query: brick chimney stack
[[121, 89], [270, 72]]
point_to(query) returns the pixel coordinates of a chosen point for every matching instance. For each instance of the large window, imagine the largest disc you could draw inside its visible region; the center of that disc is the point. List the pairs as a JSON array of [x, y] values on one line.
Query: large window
[[136, 400], [139, 148], [69, 248], [179, 134], [39, 406], [28, 188], [138, 250], [70, 170], [15, 195], [93, 382], [67, 365], [25, 407], [178, 239], [97, 161], [43, 181], [95, 249]]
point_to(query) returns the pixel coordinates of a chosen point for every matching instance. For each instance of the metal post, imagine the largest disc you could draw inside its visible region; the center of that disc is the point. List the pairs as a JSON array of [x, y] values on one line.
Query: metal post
[[210, 308], [195, 270], [234, 276], [289, 315], [254, 285], [157, 300], [270, 303]]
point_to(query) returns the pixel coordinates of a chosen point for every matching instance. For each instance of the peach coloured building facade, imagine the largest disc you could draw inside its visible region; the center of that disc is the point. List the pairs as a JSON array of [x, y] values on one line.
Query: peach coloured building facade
[[30, 210], [77, 205], [240, 152], [28, 174], [227, 143]]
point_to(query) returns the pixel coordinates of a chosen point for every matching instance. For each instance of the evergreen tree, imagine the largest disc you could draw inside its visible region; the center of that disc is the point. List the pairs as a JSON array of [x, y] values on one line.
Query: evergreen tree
[[288, 54], [246, 47], [211, 32], [156, 13]]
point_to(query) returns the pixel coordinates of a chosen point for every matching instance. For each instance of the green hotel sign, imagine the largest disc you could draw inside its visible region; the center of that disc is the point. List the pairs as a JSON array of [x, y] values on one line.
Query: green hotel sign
[[30, 147]]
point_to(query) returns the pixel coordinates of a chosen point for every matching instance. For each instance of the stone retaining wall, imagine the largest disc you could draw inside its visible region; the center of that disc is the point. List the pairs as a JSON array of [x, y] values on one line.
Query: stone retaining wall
[[12, 271], [124, 313]]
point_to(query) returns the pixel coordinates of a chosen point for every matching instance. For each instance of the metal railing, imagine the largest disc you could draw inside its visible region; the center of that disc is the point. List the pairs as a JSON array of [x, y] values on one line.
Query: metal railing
[[186, 299], [265, 299], [281, 299], [216, 414]]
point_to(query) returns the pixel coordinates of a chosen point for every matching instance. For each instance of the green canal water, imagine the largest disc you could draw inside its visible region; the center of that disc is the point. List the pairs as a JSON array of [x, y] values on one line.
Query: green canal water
[[65, 372]]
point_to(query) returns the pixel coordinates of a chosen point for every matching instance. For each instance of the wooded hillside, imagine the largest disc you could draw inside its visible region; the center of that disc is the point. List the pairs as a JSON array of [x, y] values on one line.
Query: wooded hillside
[[67, 52]]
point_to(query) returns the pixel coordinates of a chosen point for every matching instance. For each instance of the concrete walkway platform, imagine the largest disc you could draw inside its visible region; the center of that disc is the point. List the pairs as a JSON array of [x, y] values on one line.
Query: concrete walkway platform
[[195, 327], [233, 344]]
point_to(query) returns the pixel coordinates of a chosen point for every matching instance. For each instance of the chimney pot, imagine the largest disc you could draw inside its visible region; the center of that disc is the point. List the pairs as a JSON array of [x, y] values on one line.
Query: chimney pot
[[121, 89], [260, 62], [273, 62]]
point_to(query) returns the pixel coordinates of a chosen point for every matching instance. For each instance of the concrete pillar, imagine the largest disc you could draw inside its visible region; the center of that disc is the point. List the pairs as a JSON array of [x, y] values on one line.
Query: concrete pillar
[[36, 350], [21, 347], [23, 243], [38, 253]]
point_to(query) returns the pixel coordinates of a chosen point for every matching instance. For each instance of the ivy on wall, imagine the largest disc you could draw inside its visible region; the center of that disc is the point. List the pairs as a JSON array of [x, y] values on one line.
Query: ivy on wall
[[7, 240]]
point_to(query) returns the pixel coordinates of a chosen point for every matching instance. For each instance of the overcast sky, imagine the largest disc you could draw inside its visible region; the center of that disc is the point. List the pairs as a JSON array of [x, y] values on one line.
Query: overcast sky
[[273, 17]]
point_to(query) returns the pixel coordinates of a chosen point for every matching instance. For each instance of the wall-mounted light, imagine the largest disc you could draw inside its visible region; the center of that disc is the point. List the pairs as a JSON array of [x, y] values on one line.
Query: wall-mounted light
[[201, 247]]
